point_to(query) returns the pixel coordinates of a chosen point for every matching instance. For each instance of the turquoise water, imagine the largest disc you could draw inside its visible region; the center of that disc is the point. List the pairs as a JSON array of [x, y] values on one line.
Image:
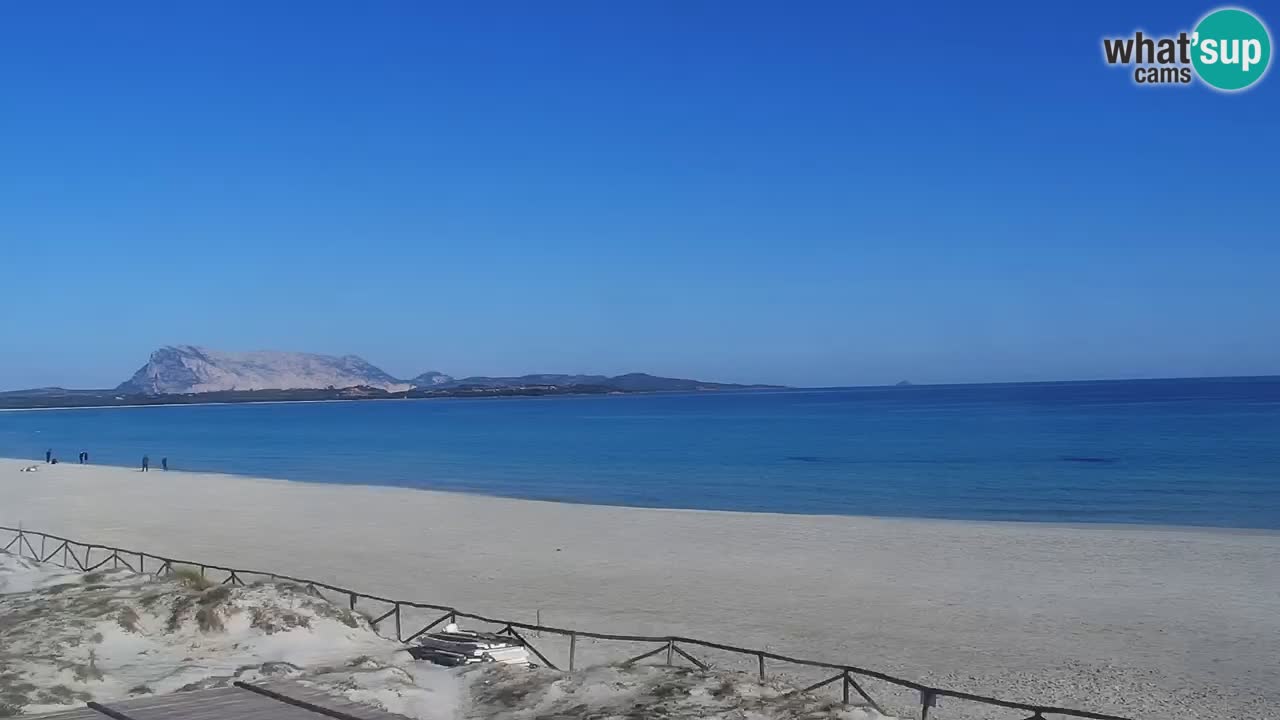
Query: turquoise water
[[1187, 452]]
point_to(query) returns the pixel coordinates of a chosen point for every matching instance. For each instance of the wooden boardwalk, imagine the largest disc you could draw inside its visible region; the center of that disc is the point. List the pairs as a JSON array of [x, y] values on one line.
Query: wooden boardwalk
[[276, 700]]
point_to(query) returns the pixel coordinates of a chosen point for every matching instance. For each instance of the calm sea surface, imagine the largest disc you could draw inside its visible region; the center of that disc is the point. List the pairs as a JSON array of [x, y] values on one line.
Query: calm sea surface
[[1188, 452]]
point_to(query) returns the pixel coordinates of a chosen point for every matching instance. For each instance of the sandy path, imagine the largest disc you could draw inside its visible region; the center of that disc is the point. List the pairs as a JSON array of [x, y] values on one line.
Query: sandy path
[[1152, 623]]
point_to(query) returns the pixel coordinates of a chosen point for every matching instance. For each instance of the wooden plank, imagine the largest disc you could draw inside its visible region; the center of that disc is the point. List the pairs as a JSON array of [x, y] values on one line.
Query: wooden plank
[[313, 707], [291, 701], [321, 696], [109, 712], [197, 706], [80, 713], [214, 704]]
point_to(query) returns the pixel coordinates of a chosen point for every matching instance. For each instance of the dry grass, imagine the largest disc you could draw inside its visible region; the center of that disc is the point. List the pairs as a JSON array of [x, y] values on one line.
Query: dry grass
[[128, 619], [210, 607], [13, 693], [208, 620], [191, 577], [61, 695], [178, 613], [272, 621], [84, 673]]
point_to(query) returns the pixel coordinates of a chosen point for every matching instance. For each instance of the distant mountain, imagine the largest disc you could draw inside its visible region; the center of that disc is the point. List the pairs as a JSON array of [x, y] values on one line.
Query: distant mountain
[[192, 370], [529, 380], [431, 379], [631, 382], [177, 369]]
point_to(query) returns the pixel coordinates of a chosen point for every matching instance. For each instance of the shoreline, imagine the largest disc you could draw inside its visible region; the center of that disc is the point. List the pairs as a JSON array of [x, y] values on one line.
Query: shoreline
[[199, 404], [509, 392], [1135, 621], [477, 396], [1148, 527]]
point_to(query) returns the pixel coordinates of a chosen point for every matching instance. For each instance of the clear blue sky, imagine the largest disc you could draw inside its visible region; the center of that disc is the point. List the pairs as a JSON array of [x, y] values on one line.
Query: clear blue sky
[[806, 193]]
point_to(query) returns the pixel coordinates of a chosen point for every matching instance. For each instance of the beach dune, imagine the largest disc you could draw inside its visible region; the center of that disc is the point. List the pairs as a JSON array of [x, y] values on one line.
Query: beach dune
[[1143, 622]]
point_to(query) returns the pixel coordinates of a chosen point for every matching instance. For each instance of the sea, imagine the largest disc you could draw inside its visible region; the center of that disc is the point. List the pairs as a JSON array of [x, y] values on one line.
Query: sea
[[1202, 452]]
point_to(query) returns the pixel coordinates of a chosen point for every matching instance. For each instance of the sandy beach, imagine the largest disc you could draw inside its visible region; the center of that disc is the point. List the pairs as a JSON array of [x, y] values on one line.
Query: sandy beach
[[1144, 622]]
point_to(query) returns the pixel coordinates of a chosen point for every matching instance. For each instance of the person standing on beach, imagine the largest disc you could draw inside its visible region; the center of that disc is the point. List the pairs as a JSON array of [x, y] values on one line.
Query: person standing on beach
[[146, 463], [48, 455], [164, 464]]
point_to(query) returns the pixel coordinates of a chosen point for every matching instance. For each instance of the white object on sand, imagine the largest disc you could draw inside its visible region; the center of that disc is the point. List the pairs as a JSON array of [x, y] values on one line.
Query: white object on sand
[[463, 647]]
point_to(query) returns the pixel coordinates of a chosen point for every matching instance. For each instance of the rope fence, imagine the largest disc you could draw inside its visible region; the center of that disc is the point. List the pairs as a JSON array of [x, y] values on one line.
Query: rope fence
[[87, 557]]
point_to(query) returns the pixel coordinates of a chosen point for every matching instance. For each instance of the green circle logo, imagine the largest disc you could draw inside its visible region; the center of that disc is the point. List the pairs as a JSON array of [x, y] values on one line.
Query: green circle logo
[[1232, 49]]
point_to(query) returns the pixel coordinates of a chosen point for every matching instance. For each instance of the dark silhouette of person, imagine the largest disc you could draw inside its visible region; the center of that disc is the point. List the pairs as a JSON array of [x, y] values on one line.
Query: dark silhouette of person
[[164, 463], [82, 456], [48, 455], [146, 463]]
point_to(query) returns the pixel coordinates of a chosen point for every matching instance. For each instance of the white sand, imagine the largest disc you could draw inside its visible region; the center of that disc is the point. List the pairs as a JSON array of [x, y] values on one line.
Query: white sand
[[1167, 622], [68, 637]]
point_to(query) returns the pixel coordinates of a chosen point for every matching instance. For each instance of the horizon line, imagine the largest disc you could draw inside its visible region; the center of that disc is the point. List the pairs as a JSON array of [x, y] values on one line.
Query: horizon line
[[762, 386]]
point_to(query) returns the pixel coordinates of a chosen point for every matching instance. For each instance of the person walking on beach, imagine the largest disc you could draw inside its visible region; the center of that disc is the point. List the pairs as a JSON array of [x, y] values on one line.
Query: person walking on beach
[[164, 464], [48, 455], [146, 463]]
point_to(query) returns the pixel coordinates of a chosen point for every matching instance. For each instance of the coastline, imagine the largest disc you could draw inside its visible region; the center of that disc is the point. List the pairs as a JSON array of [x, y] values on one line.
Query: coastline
[[443, 396], [199, 404], [1102, 525], [1117, 619], [324, 400]]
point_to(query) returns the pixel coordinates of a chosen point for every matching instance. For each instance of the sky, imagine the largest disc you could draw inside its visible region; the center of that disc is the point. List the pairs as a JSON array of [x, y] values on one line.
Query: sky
[[809, 193]]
